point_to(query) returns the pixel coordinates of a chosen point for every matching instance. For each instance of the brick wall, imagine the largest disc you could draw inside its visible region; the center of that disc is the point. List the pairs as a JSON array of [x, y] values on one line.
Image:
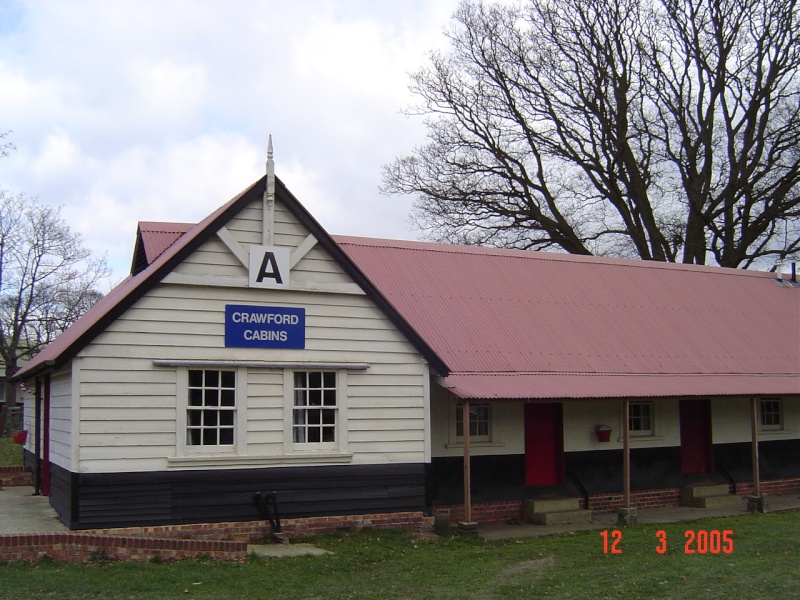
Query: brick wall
[[485, 513], [15, 476], [774, 487], [83, 547], [222, 541], [488, 513], [641, 499], [316, 525], [255, 530]]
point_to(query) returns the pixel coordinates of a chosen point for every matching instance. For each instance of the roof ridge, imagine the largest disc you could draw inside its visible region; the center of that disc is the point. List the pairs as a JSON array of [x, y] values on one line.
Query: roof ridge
[[459, 249]]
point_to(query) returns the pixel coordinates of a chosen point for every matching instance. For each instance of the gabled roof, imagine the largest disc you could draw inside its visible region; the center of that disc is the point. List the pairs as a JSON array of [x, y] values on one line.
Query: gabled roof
[[152, 239], [67, 345], [515, 324]]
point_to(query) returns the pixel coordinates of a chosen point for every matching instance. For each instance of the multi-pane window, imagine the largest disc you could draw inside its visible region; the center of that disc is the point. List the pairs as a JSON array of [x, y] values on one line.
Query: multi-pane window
[[211, 410], [315, 407], [480, 423], [640, 418], [771, 414]]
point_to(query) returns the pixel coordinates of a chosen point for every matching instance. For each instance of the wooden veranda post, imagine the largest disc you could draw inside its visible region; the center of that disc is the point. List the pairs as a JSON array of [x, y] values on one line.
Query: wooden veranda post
[[626, 456], [467, 482], [754, 434]]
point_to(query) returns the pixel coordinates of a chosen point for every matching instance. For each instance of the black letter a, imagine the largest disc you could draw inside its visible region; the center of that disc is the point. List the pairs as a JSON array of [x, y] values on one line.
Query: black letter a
[[274, 273]]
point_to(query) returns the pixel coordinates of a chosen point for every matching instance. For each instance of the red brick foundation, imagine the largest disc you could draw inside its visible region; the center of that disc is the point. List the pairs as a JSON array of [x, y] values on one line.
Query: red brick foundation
[[642, 499], [251, 531], [511, 510], [221, 541], [15, 476], [486, 513], [85, 547], [774, 487]]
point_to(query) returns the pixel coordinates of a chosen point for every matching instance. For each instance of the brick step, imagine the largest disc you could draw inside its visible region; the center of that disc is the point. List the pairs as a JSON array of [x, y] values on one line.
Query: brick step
[[560, 517], [542, 505], [720, 501], [555, 511], [691, 493]]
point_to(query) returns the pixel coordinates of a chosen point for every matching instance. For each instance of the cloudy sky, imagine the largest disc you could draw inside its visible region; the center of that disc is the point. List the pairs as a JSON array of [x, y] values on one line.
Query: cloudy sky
[[151, 110]]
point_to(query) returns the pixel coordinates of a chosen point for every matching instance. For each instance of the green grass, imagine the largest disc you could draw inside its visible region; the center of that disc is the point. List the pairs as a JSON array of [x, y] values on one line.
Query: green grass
[[10, 453], [396, 564]]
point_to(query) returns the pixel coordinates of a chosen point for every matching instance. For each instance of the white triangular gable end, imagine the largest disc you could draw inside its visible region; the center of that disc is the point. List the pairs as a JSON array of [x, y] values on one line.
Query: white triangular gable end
[[236, 256], [121, 379]]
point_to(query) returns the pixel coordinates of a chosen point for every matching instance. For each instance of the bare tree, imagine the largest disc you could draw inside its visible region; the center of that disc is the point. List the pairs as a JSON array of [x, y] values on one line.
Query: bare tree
[[47, 281], [660, 129]]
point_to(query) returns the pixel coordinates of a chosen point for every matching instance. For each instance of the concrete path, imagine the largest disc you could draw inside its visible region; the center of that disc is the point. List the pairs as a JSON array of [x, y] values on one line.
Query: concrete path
[[22, 512], [647, 516], [281, 550]]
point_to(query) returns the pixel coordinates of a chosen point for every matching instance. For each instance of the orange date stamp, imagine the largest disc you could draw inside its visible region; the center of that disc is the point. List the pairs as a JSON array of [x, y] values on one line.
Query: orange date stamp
[[702, 541]]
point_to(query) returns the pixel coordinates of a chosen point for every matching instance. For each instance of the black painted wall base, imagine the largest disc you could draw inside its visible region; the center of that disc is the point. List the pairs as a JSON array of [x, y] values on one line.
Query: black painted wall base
[[496, 478], [104, 500], [101, 500]]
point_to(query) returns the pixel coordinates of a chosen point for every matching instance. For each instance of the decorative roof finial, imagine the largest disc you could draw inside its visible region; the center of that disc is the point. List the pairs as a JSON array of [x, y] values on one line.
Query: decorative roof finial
[[269, 197]]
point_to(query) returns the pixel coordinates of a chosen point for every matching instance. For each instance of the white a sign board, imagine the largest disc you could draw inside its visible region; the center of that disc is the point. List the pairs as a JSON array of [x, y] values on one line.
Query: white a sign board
[[269, 267]]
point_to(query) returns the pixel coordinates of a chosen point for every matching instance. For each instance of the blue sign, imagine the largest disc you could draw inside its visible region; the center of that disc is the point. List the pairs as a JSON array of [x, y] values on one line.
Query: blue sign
[[264, 327]]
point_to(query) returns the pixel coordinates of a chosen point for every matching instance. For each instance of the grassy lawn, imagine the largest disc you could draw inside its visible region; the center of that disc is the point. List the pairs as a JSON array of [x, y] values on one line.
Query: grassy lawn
[[373, 564], [10, 453]]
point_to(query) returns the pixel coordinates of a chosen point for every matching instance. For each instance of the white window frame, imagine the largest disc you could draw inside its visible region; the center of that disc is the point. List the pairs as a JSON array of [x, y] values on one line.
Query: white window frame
[[457, 441], [183, 448], [772, 427], [340, 444], [642, 433]]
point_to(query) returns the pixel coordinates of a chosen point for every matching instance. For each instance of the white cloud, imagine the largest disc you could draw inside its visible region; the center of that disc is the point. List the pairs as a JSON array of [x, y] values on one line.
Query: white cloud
[[144, 110]]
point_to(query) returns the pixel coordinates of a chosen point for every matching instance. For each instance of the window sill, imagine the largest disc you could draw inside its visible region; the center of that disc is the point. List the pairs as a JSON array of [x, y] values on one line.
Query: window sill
[[764, 433], [474, 444], [642, 438], [240, 461]]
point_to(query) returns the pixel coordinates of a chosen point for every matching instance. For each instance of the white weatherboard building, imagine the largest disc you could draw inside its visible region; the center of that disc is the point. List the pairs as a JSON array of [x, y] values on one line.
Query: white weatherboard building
[[253, 352]]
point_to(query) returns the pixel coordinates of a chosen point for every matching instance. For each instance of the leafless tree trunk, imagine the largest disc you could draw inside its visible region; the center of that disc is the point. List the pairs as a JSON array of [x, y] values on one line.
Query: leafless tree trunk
[[660, 129]]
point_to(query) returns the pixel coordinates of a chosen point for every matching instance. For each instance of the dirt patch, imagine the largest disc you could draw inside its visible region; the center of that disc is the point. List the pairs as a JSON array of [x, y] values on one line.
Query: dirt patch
[[541, 565]]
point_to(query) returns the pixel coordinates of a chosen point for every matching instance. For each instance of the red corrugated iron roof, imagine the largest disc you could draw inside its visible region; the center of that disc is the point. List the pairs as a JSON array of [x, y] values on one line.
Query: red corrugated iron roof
[[105, 310], [516, 324], [157, 237], [157, 254]]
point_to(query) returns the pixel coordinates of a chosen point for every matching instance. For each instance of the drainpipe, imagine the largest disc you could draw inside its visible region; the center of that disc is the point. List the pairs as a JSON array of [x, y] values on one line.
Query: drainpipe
[[46, 440], [756, 502], [37, 446], [467, 473], [627, 515], [626, 456]]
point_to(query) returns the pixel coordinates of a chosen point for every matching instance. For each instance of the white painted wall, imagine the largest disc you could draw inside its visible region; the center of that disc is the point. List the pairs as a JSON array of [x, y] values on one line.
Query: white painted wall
[[61, 419], [730, 419], [28, 402], [730, 423], [128, 406]]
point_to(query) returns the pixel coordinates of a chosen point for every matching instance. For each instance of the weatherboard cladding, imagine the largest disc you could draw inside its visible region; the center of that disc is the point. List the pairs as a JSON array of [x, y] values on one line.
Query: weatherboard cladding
[[515, 324], [67, 345]]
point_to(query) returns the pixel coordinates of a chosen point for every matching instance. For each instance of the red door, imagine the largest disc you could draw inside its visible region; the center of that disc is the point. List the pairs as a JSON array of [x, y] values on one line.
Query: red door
[[696, 445], [544, 444]]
